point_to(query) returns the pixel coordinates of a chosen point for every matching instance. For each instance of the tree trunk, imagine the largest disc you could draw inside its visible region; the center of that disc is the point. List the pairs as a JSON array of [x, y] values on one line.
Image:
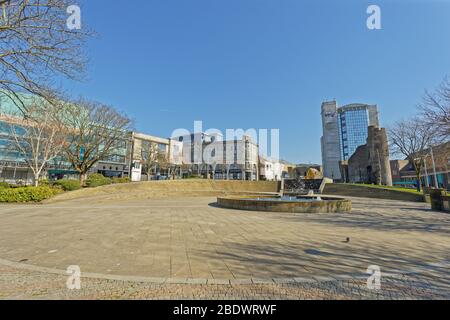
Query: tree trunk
[[418, 168], [419, 182], [83, 179], [36, 180]]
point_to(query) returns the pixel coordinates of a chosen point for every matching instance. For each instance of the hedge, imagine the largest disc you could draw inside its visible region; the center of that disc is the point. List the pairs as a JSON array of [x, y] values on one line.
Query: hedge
[[4, 185], [27, 194], [120, 180], [68, 185], [97, 180]]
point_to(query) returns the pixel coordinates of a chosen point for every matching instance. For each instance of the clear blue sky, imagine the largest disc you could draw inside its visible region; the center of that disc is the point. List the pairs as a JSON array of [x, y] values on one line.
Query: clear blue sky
[[262, 63]]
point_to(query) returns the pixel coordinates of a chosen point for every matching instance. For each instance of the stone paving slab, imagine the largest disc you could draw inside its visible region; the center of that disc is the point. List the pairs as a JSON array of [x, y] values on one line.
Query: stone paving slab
[[197, 281], [218, 282], [186, 243], [241, 282]]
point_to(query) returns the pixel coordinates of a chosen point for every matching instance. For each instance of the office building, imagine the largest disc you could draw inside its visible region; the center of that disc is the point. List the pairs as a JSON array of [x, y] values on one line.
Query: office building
[[144, 163], [344, 130], [435, 171], [270, 169], [353, 121], [210, 156]]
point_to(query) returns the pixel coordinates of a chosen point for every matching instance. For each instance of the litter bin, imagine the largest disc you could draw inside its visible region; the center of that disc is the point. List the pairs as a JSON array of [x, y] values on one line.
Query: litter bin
[[436, 196]]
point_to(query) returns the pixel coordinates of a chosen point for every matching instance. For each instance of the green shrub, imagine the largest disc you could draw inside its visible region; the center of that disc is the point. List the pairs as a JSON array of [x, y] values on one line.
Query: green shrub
[[44, 182], [68, 185], [97, 180], [120, 180], [4, 185], [28, 194]]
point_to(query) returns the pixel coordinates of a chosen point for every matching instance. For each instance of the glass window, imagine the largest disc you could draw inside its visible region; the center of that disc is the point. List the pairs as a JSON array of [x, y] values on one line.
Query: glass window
[[353, 129], [162, 147]]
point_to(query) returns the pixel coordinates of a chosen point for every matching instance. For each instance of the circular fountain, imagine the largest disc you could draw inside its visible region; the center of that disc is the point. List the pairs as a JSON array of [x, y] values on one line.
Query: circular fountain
[[294, 204]]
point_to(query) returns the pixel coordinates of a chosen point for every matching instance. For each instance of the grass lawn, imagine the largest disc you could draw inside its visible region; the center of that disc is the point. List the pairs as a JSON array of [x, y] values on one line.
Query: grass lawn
[[414, 191]]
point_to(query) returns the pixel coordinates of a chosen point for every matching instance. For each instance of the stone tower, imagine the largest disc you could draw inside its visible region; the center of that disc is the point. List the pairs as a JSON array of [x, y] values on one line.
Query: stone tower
[[331, 152], [378, 153]]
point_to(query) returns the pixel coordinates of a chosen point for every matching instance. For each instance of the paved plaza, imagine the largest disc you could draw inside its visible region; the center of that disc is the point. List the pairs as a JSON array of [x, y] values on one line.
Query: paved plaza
[[189, 248]]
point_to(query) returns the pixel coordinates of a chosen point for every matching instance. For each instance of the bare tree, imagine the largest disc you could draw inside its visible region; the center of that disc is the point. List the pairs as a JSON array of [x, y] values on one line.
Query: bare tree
[[154, 159], [442, 155], [436, 110], [149, 155], [36, 45], [39, 136], [164, 163], [411, 138], [174, 170], [97, 132], [185, 169]]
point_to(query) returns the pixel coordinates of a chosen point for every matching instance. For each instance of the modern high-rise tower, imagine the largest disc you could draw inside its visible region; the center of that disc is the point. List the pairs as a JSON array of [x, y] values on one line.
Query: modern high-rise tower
[[344, 130], [330, 141], [353, 122]]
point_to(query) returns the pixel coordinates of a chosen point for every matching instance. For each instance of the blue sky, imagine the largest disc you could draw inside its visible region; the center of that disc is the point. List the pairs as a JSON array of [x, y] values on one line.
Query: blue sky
[[261, 63]]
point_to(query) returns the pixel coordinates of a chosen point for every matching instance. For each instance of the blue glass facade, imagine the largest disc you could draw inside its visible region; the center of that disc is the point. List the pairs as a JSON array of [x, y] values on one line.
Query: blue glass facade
[[11, 159], [353, 129], [7, 152]]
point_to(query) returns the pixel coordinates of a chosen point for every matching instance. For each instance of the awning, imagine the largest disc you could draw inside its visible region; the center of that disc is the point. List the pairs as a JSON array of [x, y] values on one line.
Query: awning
[[62, 172]]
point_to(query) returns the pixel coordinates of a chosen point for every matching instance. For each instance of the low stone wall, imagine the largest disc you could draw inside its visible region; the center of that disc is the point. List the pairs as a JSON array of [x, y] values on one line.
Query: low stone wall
[[348, 190], [163, 189], [440, 201], [446, 203]]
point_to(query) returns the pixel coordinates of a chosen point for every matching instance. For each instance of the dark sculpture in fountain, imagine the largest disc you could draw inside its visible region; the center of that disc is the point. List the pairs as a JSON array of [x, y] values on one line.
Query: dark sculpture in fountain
[[302, 186]]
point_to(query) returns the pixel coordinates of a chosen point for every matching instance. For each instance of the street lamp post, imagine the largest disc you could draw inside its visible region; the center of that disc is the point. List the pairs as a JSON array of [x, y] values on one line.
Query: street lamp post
[[434, 169], [426, 173]]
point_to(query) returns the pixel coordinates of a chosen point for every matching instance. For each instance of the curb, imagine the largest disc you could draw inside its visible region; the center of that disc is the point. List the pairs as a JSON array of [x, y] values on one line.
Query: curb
[[190, 281]]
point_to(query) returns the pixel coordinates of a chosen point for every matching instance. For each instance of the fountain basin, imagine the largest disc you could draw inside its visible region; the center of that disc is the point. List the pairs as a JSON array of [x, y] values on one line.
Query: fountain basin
[[298, 204]]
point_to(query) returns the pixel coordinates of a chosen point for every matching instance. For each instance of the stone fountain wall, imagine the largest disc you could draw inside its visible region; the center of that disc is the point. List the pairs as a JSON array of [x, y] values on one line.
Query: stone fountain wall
[[325, 205]]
